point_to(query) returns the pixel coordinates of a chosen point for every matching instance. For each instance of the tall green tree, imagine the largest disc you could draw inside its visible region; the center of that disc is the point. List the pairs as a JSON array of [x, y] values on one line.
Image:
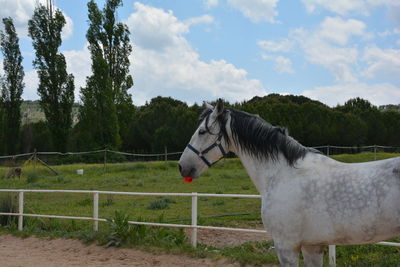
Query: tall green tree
[[376, 129], [56, 86], [107, 105], [12, 86]]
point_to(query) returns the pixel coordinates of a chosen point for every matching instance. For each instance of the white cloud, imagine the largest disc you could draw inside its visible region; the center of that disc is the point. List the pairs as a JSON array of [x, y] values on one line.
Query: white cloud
[[276, 46], [321, 52], [344, 7], [339, 30], [377, 94], [257, 10], [383, 63], [329, 46], [79, 64], [155, 28], [31, 81], [283, 64], [324, 46], [391, 32], [210, 3], [21, 12], [68, 29], [204, 19], [168, 65]]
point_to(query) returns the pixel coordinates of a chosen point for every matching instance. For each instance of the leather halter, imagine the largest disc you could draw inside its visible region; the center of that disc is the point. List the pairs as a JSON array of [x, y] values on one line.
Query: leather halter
[[208, 149]]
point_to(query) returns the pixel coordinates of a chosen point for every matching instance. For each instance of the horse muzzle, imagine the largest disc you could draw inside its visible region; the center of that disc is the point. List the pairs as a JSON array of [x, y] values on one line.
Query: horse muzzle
[[187, 171]]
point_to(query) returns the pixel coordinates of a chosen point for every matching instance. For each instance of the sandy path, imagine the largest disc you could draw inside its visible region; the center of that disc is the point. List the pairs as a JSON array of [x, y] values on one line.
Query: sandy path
[[33, 251]]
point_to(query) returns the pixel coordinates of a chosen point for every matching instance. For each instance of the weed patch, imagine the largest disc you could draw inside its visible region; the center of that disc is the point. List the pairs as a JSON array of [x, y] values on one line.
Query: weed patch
[[108, 202], [84, 202], [159, 204], [8, 203]]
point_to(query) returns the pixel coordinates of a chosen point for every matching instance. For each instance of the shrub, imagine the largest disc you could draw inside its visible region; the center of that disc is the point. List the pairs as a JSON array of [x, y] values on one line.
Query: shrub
[[168, 200], [122, 233], [159, 204], [109, 201], [84, 202], [120, 229]]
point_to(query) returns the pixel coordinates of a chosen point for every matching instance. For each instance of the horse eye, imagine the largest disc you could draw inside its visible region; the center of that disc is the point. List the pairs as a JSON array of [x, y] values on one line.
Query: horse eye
[[202, 131]]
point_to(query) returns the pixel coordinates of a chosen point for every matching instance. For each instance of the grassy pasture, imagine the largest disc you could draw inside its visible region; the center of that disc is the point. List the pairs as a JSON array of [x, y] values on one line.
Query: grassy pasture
[[228, 176]]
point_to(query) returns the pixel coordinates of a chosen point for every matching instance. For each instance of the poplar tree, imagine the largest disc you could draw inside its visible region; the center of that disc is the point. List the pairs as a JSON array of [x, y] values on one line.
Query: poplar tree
[[12, 86], [106, 101], [56, 86]]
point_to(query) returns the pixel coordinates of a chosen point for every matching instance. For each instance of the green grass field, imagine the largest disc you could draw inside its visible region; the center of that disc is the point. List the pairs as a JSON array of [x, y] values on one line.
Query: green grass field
[[226, 177]]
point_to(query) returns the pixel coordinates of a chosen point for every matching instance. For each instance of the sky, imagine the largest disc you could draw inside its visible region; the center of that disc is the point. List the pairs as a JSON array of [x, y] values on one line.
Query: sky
[[201, 50]]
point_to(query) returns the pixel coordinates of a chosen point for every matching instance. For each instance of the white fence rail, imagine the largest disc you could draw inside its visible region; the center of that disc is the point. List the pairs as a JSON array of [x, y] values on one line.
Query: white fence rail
[[95, 218]]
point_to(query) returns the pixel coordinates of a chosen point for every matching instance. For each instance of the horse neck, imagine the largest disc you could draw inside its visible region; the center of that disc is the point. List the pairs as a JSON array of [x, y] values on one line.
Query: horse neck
[[262, 172]]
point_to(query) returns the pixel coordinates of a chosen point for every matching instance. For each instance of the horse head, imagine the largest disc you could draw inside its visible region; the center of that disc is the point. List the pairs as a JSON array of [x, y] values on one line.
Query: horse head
[[208, 144]]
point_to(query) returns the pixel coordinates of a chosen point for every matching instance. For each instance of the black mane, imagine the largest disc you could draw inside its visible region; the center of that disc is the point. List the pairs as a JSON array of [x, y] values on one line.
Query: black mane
[[255, 136]]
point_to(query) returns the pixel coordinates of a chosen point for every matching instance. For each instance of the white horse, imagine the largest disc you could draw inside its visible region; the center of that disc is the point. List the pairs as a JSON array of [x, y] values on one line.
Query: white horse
[[309, 200]]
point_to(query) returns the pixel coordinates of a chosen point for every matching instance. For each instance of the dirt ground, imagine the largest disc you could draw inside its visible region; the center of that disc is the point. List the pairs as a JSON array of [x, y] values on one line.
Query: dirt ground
[[32, 251]]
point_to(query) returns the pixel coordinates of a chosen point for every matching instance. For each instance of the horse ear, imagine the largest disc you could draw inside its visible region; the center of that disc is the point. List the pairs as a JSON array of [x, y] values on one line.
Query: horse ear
[[208, 105], [219, 108]]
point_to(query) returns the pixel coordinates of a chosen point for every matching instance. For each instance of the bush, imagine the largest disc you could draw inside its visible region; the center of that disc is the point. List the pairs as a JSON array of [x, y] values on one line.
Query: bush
[[161, 204], [120, 229], [122, 233], [109, 201]]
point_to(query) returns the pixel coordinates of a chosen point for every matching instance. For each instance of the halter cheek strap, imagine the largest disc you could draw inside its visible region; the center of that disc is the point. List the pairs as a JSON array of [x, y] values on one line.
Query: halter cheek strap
[[208, 149]]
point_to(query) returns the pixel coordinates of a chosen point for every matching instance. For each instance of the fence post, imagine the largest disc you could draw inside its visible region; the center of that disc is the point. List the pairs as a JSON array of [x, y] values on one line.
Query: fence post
[[105, 159], [21, 210], [194, 219], [375, 152], [332, 255], [34, 158], [96, 211], [327, 151], [166, 153]]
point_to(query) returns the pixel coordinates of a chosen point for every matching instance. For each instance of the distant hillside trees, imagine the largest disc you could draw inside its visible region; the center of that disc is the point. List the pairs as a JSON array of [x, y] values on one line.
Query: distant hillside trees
[[107, 105], [310, 122], [166, 122], [56, 86], [12, 86], [380, 125]]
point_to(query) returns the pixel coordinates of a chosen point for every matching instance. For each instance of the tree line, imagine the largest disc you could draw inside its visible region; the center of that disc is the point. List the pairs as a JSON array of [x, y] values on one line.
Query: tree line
[[108, 119], [166, 122]]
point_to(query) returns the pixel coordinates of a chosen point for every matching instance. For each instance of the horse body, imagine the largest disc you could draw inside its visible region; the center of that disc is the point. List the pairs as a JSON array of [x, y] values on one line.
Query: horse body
[[323, 202], [308, 200]]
